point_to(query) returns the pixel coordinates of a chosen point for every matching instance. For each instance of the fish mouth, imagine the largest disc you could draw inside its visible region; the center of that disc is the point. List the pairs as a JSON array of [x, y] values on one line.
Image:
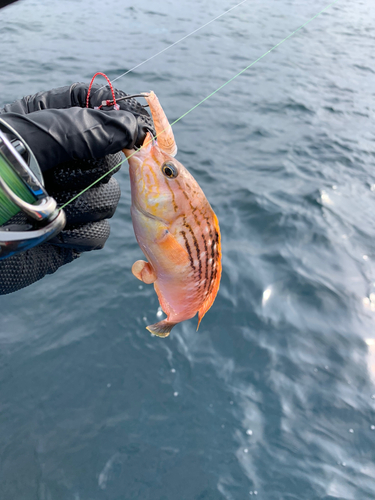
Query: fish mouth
[[139, 153], [136, 154], [144, 150]]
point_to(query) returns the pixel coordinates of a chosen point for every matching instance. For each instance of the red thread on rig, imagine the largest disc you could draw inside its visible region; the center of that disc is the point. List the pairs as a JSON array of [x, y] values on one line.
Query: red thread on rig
[[108, 102]]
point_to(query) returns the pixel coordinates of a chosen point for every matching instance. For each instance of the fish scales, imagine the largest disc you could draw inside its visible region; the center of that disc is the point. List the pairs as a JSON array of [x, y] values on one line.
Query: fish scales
[[175, 227]]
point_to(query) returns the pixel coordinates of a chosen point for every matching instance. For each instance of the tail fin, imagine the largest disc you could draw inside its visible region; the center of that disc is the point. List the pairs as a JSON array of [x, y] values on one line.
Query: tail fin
[[161, 329]]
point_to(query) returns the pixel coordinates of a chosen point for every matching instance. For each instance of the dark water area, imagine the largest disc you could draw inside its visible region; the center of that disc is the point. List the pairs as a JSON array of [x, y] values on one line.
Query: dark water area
[[274, 397]]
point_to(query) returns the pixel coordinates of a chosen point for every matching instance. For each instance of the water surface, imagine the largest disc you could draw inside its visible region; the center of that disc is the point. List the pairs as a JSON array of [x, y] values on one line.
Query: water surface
[[274, 397]]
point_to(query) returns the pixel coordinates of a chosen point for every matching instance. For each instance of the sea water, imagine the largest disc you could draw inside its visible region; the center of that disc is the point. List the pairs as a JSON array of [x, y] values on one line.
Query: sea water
[[274, 397]]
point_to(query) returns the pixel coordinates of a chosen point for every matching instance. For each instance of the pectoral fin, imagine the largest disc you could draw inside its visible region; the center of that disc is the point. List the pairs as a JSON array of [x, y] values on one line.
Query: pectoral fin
[[173, 249], [161, 329], [144, 272]]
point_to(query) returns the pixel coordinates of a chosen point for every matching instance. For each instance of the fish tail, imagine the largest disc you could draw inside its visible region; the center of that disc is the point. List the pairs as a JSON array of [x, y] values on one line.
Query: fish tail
[[200, 317], [161, 329]]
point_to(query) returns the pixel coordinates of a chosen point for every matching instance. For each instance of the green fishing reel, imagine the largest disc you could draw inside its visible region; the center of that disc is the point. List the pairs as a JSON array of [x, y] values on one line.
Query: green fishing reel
[[22, 191]]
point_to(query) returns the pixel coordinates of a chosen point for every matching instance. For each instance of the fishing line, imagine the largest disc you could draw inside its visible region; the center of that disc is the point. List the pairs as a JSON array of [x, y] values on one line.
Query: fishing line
[[202, 101], [174, 43]]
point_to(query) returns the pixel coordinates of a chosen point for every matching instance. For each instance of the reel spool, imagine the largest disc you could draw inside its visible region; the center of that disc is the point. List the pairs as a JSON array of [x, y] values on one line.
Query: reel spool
[[21, 190]]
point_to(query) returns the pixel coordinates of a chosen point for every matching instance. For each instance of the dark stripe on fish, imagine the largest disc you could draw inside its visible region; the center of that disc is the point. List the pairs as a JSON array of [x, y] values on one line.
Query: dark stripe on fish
[[188, 249], [183, 191], [193, 209], [213, 261], [206, 250], [215, 254], [208, 282], [197, 249], [173, 197]]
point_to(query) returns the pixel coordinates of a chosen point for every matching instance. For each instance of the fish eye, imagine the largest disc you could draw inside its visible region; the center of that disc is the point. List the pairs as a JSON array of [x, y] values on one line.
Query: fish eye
[[170, 170]]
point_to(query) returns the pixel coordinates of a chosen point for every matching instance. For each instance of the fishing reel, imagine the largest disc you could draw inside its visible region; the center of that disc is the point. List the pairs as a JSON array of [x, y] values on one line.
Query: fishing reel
[[22, 191]]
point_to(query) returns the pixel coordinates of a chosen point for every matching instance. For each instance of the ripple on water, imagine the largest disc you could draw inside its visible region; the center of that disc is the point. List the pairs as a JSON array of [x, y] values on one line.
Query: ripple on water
[[273, 398]]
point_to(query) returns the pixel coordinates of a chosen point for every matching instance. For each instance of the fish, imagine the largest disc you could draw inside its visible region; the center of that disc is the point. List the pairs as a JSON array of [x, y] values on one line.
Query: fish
[[175, 227]]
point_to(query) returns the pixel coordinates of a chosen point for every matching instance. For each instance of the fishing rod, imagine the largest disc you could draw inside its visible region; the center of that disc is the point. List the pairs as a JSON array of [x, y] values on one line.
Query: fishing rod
[[51, 219], [174, 43], [203, 100], [21, 184]]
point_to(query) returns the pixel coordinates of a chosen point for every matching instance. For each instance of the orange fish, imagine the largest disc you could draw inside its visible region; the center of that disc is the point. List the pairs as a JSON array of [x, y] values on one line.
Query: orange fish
[[175, 227]]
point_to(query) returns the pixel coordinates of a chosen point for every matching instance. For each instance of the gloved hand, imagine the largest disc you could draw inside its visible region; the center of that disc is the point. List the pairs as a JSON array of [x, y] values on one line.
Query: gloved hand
[[74, 146]]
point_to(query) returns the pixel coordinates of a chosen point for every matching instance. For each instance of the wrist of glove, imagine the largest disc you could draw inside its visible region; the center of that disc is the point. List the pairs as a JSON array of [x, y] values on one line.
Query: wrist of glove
[[74, 146]]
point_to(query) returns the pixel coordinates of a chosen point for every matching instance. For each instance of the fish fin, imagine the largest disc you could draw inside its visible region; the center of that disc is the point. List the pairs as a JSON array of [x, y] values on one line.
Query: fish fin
[[166, 308], [208, 302], [200, 317], [176, 252], [161, 329], [144, 272]]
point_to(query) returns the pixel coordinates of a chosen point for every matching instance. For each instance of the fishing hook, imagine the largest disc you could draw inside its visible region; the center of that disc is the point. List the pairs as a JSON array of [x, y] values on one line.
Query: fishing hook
[[111, 103]]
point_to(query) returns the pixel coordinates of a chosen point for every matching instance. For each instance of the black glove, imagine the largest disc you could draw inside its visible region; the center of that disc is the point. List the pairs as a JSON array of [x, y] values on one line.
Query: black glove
[[74, 146]]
